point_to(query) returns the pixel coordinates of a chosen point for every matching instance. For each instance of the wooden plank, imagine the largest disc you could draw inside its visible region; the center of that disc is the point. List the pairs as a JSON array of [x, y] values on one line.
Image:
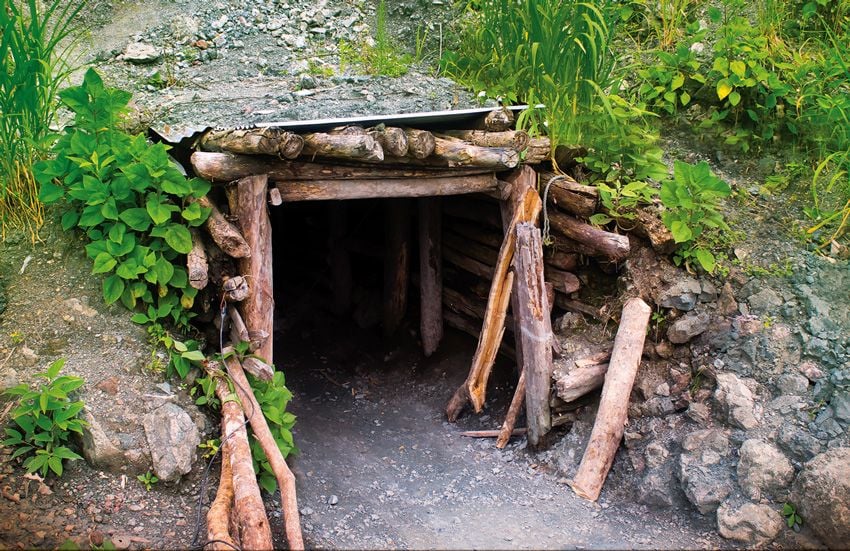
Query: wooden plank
[[396, 263], [430, 274], [320, 190]]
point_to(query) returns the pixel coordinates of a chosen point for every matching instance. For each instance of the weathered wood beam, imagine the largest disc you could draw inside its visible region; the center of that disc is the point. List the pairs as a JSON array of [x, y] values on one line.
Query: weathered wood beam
[[430, 274], [611, 245], [345, 146], [254, 141], [514, 139], [321, 190], [397, 245], [569, 195]]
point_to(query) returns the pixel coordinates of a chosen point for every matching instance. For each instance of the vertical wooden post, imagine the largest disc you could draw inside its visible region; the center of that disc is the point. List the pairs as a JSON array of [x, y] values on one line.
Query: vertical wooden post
[[396, 262], [340, 259], [536, 333], [251, 210], [614, 404], [430, 273]]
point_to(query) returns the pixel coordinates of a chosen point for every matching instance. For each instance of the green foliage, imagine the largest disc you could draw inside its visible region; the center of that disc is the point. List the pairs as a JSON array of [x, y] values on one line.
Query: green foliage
[[379, 56], [34, 53], [691, 200], [671, 79], [660, 22], [182, 355], [130, 199], [44, 419], [621, 201], [792, 518], [210, 447], [148, 480]]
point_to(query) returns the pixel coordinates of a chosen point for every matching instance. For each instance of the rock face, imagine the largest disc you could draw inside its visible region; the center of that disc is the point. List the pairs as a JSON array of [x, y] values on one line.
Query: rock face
[[685, 328], [763, 470], [173, 439], [704, 470], [750, 523], [822, 495], [735, 401]]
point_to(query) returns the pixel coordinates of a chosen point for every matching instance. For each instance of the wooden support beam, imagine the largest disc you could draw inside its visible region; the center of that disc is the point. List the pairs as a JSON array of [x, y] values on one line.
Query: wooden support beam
[[258, 309], [517, 140], [420, 143], [196, 262], [226, 235], [392, 140], [614, 404], [569, 195], [339, 258], [321, 190], [396, 263], [229, 167], [535, 332], [254, 141], [610, 245], [430, 274]]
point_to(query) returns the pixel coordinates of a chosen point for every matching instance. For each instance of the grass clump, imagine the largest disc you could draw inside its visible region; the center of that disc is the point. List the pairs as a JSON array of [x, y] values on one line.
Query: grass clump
[[376, 55]]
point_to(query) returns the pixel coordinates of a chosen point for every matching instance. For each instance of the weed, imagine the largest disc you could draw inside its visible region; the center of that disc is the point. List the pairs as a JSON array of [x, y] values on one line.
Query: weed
[[148, 480], [621, 201], [45, 418], [16, 337], [34, 56], [210, 447], [378, 55], [792, 518], [658, 320]]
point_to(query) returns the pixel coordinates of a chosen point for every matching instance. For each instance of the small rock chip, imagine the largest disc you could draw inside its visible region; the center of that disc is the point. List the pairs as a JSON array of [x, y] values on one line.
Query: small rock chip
[[109, 385], [333, 500]]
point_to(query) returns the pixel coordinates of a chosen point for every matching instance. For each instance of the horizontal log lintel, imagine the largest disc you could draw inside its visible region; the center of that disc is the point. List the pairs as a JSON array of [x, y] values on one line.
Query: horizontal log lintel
[[382, 188]]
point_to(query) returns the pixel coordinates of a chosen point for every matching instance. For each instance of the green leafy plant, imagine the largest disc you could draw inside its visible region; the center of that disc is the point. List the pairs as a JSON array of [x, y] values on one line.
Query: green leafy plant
[[210, 447], [691, 200], [45, 418], [148, 480], [130, 199], [182, 355], [621, 201], [34, 62], [379, 55], [792, 518], [670, 79]]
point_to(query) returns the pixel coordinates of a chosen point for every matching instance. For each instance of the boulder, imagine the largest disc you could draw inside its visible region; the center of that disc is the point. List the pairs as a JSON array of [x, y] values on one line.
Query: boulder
[[821, 493], [750, 523], [763, 470], [173, 439], [98, 449], [687, 327], [735, 401], [704, 470]]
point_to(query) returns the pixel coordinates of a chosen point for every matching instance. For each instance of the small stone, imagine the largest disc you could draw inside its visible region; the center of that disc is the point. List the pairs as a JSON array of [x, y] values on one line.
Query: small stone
[[139, 53], [764, 301], [709, 292], [811, 370], [840, 405], [664, 350], [173, 439], [735, 401], [306, 511], [763, 470], [28, 356], [797, 443], [333, 500], [750, 523], [687, 327], [726, 303], [698, 413], [109, 385], [793, 384]]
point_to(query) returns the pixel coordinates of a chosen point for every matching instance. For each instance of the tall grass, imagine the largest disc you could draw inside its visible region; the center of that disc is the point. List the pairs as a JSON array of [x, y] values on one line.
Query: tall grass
[[34, 57]]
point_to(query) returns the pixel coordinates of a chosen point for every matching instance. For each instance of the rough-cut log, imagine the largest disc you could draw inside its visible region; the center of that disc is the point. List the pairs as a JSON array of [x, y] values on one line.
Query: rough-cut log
[[227, 167], [473, 390], [430, 274], [517, 140], [258, 309], [236, 289], [561, 260], [473, 328], [577, 306], [339, 258], [254, 141], [396, 263], [580, 381], [393, 140], [420, 143], [611, 245], [479, 212], [456, 153], [196, 262], [614, 404], [225, 234], [539, 150], [468, 264], [476, 232], [647, 224], [499, 120], [570, 195], [352, 130], [284, 476], [473, 249], [491, 433], [536, 333], [218, 517], [258, 369], [353, 147], [321, 190], [563, 282], [507, 429], [469, 305], [238, 330], [254, 529]]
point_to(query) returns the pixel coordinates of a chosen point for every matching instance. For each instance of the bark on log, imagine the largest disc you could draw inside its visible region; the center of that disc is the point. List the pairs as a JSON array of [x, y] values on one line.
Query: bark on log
[[354, 147], [396, 263], [322, 190], [196, 262], [580, 307], [339, 258], [284, 476], [563, 282], [420, 143], [430, 274], [580, 381], [539, 150], [507, 429], [457, 153], [569, 195], [611, 245], [614, 404], [254, 529], [517, 140], [392, 140], [254, 141], [218, 516], [258, 309], [499, 120], [491, 433], [227, 167], [648, 225], [561, 260], [226, 236], [235, 289], [536, 333]]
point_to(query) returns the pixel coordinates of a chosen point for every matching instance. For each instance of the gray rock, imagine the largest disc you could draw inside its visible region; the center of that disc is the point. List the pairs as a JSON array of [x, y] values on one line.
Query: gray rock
[[798, 443], [735, 402], [726, 303], [687, 327], [763, 471], [709, 292], [750, 523], [764, 301], [8, 379], [656, 488], [698, 413], [173, 439], [822, 495], [840, 405], [681, 295], [793, 384], [27, 356], [704, 470], [98, 449], [139, 53]]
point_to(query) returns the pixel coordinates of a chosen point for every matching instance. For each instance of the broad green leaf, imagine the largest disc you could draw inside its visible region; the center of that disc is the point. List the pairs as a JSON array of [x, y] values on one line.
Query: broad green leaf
[[738, 67], [104, 262], [158, 211], [116, 232], [179, 238], [685, 98], [164, 270], [140, 318], [723, 89], [194, 355], [705, 259], [678, 81], [113, 287], [50, 193], [681, 232], [136, 218], [734, 99], [70, 219]]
